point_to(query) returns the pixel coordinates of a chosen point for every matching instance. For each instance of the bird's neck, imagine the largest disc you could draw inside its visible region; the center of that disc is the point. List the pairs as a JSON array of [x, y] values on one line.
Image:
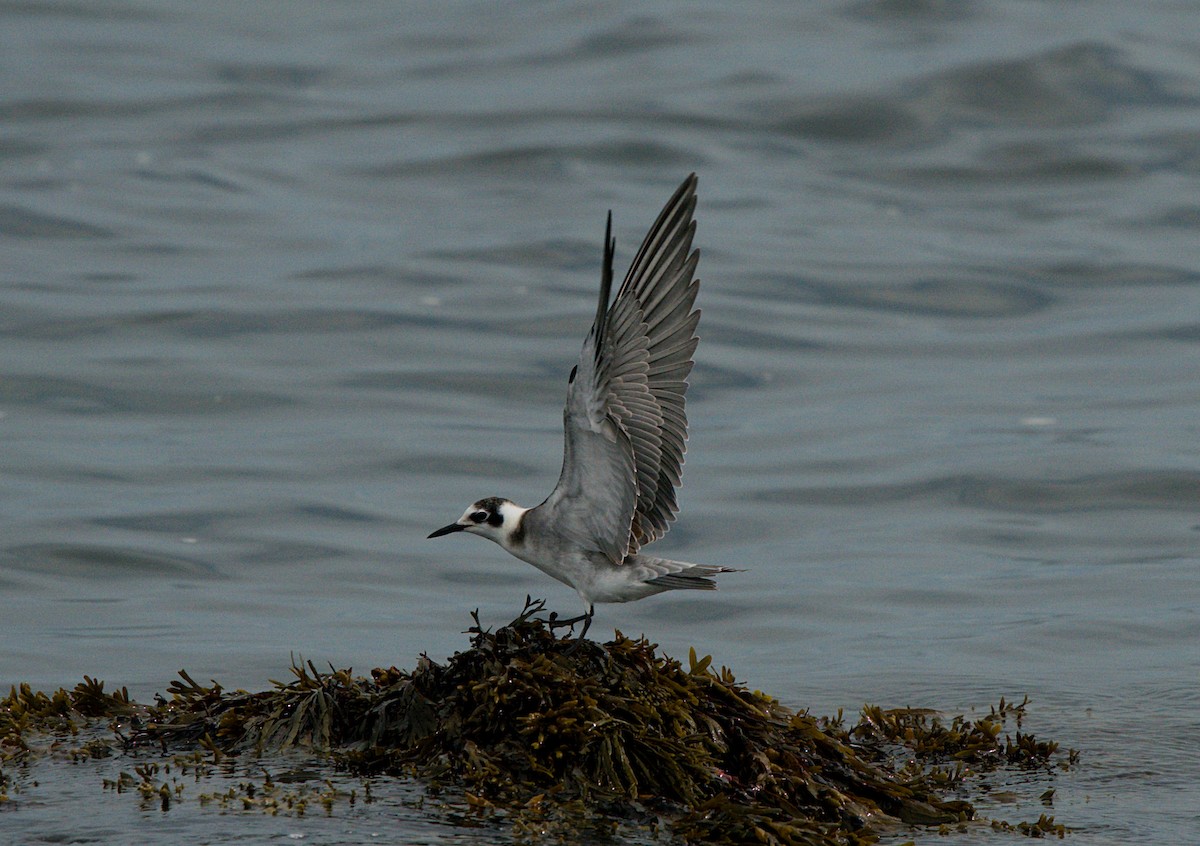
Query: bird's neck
[[514, 525]]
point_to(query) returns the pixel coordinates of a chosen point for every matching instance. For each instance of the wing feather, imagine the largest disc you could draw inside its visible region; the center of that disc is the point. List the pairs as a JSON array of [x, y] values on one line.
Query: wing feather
[[661, 280], [625, 420]]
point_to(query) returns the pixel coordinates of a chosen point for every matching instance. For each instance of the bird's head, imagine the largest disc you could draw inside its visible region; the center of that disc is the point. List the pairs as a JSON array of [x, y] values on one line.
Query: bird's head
[[494, 518]]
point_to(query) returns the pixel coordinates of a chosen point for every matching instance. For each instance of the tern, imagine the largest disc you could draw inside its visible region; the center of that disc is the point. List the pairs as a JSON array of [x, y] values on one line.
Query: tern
[[625, 434]]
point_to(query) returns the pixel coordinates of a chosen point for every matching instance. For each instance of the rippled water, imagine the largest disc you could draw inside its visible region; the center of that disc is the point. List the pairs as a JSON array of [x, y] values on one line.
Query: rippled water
[[286, 287]]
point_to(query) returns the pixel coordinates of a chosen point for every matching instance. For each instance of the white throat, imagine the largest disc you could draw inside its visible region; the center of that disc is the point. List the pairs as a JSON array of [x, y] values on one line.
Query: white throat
[[511, 534]]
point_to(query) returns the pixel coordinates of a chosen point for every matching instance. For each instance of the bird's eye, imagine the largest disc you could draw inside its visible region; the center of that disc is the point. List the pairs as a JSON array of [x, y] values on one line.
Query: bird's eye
[[571, 378], [479, 516]]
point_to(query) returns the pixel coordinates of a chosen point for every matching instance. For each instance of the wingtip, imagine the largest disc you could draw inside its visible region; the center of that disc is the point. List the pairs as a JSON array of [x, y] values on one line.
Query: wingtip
[[606, 279], [610, 251]]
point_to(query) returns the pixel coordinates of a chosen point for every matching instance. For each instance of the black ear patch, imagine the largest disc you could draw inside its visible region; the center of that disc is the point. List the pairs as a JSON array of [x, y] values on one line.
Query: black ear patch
[[495, 519], [571, 378]]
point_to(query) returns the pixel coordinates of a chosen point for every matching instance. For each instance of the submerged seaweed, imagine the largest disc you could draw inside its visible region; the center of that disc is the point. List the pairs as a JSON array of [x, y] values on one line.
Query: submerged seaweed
[[555, 736]]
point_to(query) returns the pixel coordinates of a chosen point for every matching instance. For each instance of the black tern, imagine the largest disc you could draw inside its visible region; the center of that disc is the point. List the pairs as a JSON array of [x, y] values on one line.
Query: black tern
[[626, 433]]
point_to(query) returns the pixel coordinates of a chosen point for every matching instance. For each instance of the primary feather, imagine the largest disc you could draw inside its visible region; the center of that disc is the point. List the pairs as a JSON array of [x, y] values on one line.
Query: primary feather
[[625, 413]]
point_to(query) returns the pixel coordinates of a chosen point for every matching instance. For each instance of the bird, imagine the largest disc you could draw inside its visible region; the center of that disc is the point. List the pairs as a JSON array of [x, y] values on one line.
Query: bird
[[625, 432]]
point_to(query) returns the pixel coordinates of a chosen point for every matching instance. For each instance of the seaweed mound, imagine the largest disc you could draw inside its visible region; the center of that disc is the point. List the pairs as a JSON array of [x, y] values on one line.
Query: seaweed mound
[[553, 733]]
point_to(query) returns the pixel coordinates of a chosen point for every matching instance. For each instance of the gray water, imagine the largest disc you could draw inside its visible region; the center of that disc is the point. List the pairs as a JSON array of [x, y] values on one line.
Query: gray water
[[283, 287]]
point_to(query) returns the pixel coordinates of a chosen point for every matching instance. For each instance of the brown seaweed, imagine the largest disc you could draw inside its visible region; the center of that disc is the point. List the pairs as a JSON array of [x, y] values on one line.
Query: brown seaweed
[[546, 736]]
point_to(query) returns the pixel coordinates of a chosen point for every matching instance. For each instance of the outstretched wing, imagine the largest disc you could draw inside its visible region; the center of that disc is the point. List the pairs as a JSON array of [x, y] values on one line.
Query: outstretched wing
[[625, 421]]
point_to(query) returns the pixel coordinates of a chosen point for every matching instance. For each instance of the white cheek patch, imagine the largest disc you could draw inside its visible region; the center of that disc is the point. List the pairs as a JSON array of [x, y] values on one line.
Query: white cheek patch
[[512, 529]]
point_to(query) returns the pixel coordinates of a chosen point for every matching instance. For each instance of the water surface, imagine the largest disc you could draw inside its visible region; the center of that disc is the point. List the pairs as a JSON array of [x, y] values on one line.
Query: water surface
[[282, 292]]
